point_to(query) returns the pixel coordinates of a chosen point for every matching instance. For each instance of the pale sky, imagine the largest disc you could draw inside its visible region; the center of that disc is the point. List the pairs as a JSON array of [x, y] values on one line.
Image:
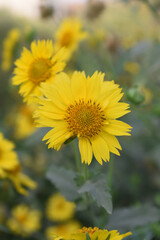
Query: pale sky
[[29, 8]]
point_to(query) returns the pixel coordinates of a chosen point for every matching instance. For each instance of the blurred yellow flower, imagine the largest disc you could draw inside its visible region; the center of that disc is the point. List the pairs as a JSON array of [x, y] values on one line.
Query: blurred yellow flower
[[11, 169], [69, 35], [62, 231], [132, 68], [23, 122], [24, 221], [148, 95], [8, 48], [8, 157], [59, 209], [96, 233], [86, 108], [20, 180], [41, 64]]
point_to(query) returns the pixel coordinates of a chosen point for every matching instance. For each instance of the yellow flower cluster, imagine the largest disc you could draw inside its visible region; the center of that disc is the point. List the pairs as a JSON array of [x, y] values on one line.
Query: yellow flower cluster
[[60, 211], [9, 45], [11, 169], [78, 106], [24, 221]]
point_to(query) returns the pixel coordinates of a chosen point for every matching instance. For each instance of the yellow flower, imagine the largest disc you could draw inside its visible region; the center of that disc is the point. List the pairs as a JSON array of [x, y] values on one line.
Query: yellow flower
[[11, 169], [8, 157], [20, 180], [59, 209], [39, 65], [24, 221], [23, 123], [69, 35], [86, 108], [96, 233], [9, 45], [62, 231], [132, 68]]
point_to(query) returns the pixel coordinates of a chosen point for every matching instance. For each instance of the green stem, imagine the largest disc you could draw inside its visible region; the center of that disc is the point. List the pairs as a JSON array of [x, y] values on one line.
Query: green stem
[[110, 172], [77, 157], [85, 173]]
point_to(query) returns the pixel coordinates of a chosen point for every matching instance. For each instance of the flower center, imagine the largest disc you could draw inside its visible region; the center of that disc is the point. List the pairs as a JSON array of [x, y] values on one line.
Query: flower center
[[40, 70], [66, 39], [85, 119], [89, 230]]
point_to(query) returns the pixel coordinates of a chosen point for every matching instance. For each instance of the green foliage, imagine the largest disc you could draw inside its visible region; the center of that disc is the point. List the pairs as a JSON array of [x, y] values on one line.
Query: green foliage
[[98, 191], [64, 180]]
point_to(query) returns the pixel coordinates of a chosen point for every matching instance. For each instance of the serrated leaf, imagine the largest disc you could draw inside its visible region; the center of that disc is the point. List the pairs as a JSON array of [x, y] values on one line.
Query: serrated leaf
[[98, 191], [132, 217], [63, 179]]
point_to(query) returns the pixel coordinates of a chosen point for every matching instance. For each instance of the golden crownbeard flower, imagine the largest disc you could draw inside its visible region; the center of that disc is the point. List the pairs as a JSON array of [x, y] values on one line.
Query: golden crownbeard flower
[[9, 45], [20, 180], [20, 118], [11, 169], [41, 64], [62, 231], [24, 221], [8, 157], [96, 233], [69, 35], [86, 108], [59, 209], [132, 67]]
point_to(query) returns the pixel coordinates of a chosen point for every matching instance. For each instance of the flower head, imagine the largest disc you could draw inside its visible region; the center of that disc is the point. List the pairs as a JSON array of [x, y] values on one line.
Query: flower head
[[132, 67], [24, 221], [41, 64], [86, 108], [11, 169], [59, 209], [69, 35], [22, 121], [62, 231], [96, 233], [8, 157], [9, 45]]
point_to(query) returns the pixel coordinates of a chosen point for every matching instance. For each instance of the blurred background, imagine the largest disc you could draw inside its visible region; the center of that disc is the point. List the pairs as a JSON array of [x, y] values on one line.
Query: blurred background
[[123, 41]]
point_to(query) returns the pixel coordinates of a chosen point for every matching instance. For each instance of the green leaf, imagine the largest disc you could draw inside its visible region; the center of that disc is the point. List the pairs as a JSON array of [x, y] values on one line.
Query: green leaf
[[99, 192], [4, 229], [63, 179], [132, 217], [87, 236]]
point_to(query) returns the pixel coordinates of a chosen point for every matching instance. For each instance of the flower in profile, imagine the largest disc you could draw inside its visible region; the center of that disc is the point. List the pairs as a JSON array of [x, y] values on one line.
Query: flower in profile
[[9, 46], [96, 233], [86, 108], [69, 35], [132, 67], [11, 169], [24, 221], [20, 180], [62, 231], [59, 209], [41, 64]]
